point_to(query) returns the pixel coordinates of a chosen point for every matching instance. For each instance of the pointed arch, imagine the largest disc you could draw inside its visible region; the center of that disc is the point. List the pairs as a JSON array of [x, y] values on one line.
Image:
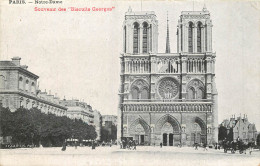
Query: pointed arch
[[190, 37], [199, 27], [197, 88], [136, 38], [142, 123], [145, 37], [167, 119], [124, 39], [202, 125], [139, 89], [191, 93]]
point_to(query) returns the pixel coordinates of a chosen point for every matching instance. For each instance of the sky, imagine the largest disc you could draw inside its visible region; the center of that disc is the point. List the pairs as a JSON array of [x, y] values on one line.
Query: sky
[[76, 54]]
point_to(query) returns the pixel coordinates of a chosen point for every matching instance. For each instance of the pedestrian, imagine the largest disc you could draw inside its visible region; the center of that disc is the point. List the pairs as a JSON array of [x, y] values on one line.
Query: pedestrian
[[205, 147], [161, 145], [93, 145], [64, 145], [123, 143], [134, 144], [196, 146]]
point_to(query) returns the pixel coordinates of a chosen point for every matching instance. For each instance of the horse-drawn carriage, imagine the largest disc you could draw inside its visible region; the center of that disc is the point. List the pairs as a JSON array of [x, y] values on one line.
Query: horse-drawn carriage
[[239, 146]]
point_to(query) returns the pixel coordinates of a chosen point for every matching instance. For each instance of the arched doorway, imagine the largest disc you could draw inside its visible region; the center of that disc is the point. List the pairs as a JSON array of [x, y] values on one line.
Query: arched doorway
[[140, 132], [198, 134], [169, 129]]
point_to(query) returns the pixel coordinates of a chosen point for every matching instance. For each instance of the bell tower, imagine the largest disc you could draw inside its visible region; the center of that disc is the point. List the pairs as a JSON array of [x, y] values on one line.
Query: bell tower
[[140, 32], [194, 33]]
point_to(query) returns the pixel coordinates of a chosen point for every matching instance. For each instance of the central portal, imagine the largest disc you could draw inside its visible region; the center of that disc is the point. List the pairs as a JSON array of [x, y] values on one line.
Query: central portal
[[169, 129]]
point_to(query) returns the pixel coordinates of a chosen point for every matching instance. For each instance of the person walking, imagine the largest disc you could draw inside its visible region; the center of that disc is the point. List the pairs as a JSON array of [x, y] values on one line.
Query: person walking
[[64, 145], [205, 147], [196, 146], [134, 144], [93, 145], [161, 145]]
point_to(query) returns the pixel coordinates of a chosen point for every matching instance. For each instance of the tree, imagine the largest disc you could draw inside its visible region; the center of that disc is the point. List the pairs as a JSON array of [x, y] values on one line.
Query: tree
[[222, 133], [34, 127], [258, 140]]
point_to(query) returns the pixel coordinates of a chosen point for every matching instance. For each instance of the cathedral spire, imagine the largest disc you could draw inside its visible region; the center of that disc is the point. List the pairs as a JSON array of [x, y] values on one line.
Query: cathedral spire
[[168, 50]]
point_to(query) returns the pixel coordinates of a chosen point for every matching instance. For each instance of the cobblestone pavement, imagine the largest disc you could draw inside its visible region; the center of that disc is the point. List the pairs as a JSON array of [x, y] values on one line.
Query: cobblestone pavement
[[115, 156]]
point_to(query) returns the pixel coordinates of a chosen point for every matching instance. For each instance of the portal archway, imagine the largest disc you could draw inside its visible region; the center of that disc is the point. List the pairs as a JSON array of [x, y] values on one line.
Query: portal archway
[[140, 131], [169, 129], [199, 132]]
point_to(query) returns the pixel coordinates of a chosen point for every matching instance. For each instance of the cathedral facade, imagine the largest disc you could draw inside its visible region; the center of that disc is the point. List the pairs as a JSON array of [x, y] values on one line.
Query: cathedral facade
[[168, 98]]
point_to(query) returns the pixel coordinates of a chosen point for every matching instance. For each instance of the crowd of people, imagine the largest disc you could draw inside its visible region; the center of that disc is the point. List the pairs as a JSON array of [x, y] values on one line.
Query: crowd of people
[[127, 144], [131, 145]]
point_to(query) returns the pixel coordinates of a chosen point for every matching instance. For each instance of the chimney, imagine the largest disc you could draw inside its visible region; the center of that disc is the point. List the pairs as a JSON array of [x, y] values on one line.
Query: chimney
[[24, 67], [16, 61]]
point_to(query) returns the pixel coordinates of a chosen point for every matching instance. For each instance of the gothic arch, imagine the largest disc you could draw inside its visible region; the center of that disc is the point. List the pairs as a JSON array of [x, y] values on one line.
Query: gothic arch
[[198, 87], [136, 38], [190, 36], [136, 22], [202, 125], [140, 121], [199, 36], [191, 93], [145, 26], [124, 38], [170, 119], [139, 86]]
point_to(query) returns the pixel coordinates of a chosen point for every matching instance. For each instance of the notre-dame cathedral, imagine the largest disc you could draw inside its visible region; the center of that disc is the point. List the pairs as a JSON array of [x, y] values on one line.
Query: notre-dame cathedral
[[168, 98]]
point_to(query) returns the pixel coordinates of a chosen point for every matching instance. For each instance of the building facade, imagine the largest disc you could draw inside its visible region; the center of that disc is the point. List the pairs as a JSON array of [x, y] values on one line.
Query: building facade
[[240, 128], [168, 98], [18, 88], [79, 110], [109, 118]]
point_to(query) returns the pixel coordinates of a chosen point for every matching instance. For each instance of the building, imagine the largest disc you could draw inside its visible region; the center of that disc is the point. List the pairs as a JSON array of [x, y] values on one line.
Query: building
[[97, 123], [168, 98], [109, 118], [109, 128], [79, 110], [241, 128], [18, 88]]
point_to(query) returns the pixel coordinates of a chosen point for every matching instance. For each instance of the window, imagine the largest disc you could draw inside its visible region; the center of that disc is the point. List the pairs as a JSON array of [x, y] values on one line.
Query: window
[[199, 37], [206, 40], [181, 37], [135, 94], [27, 85], [191, 93], [136, 38], [190, 37], [145, 31], [20, 83], [33, 88], [200, 93], [125, 39], [208, 130], [2, 82], [144, 94]]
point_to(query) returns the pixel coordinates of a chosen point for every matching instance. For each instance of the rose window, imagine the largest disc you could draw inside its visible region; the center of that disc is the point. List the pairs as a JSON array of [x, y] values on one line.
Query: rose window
[[168, 88]]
